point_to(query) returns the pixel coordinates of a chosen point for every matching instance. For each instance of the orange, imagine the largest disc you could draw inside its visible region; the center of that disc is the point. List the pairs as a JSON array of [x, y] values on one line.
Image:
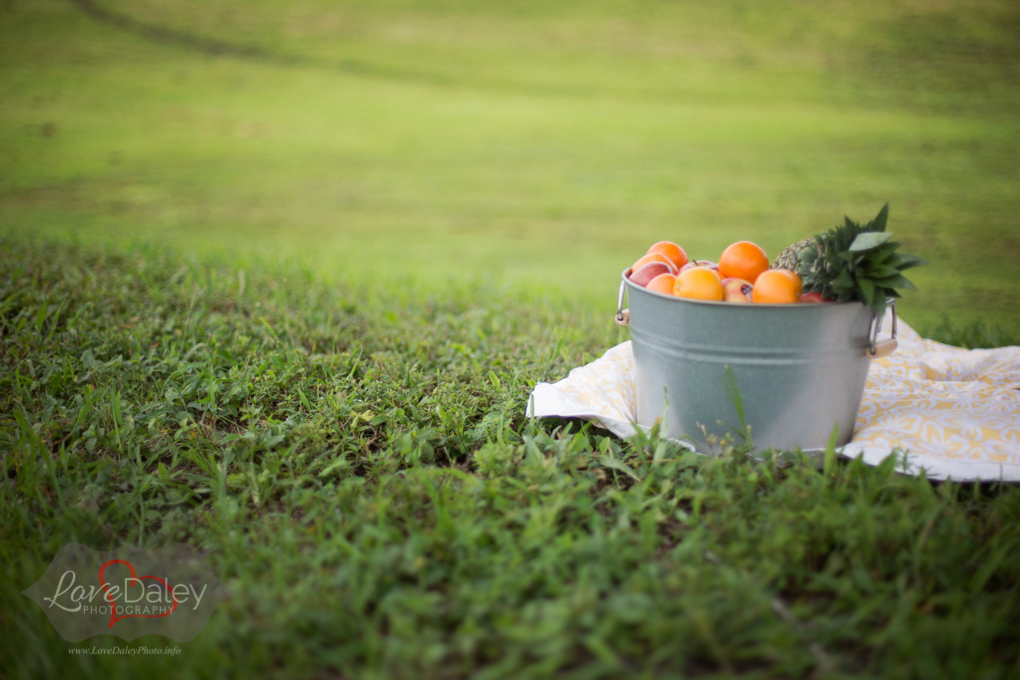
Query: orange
[[663, 283], [652, 257], [672, 251], [698, 283], [777, 286], [743, 260], [796, 281]]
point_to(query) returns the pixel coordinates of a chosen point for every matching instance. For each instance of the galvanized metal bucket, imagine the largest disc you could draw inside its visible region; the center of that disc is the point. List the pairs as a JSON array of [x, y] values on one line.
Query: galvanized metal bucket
[[799, 369]]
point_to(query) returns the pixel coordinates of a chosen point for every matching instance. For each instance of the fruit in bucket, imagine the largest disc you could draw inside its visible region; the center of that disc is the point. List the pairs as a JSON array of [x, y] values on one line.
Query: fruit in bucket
[[743, 260], [849, 262], [736, 290], [663, 283], [671, 252], [777, 286], [654, 257], [707, 264], [699, 283], [644, 275]]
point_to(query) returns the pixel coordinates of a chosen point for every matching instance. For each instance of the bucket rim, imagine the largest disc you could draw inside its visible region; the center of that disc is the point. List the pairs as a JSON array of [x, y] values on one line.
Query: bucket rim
[[732, 305]]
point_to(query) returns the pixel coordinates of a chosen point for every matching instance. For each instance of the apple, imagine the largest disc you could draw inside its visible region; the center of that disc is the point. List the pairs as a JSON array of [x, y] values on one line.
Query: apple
[[736, 290], [708, 264], [812, 297], [645, 274], [654, 257]]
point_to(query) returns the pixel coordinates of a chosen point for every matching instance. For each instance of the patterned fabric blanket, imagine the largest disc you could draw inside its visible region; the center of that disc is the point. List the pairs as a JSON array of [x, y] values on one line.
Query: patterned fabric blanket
[[955, 413]]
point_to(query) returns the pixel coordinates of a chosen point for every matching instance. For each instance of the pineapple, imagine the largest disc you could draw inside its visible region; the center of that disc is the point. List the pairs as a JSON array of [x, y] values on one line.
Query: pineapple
[[851, 262], [790, 257]]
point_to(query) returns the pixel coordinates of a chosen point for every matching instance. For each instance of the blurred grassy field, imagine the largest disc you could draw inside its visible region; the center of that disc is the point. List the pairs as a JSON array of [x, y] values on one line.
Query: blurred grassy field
[[527, 143]]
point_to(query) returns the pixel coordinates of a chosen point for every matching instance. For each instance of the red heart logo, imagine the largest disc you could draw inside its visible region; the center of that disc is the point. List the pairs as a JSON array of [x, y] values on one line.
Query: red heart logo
[[113, 609]]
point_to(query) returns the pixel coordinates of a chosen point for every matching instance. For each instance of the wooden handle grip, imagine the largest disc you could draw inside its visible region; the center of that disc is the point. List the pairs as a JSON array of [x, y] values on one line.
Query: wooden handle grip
[[883, 348]]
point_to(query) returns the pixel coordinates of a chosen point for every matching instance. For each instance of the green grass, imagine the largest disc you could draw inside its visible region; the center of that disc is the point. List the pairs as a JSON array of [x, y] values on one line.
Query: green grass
[[540, 142], [355, 465], [286, 304]]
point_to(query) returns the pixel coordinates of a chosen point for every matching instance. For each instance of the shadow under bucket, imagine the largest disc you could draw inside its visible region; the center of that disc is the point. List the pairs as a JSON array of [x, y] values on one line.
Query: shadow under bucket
[[799, 369]]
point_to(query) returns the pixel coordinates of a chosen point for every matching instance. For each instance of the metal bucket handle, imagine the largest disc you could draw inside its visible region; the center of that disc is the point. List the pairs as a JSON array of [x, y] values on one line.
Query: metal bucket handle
[[876, 348], [882, 348], [622, 315]]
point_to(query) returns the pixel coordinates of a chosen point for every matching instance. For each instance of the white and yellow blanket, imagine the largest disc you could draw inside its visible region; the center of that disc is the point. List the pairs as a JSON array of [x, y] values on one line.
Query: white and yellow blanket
[[955, 413]]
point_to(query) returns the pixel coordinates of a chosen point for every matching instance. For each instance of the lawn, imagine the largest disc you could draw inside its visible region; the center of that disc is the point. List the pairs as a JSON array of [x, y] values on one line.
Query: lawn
[[276, 281], [356, 467]]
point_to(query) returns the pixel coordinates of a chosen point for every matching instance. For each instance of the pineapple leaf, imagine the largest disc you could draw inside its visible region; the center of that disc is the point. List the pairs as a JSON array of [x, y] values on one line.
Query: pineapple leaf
[[880, 256], [868, 240], [843, 281], [882, 271], [878, 306], [897, 281], [878, 224], [901, 261], [867, 289]]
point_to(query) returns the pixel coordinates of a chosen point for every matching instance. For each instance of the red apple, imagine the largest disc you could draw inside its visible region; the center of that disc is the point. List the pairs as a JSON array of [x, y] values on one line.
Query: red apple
[[812, 297], [701, 263], [648, 272], [654, 257], [736, 290]]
